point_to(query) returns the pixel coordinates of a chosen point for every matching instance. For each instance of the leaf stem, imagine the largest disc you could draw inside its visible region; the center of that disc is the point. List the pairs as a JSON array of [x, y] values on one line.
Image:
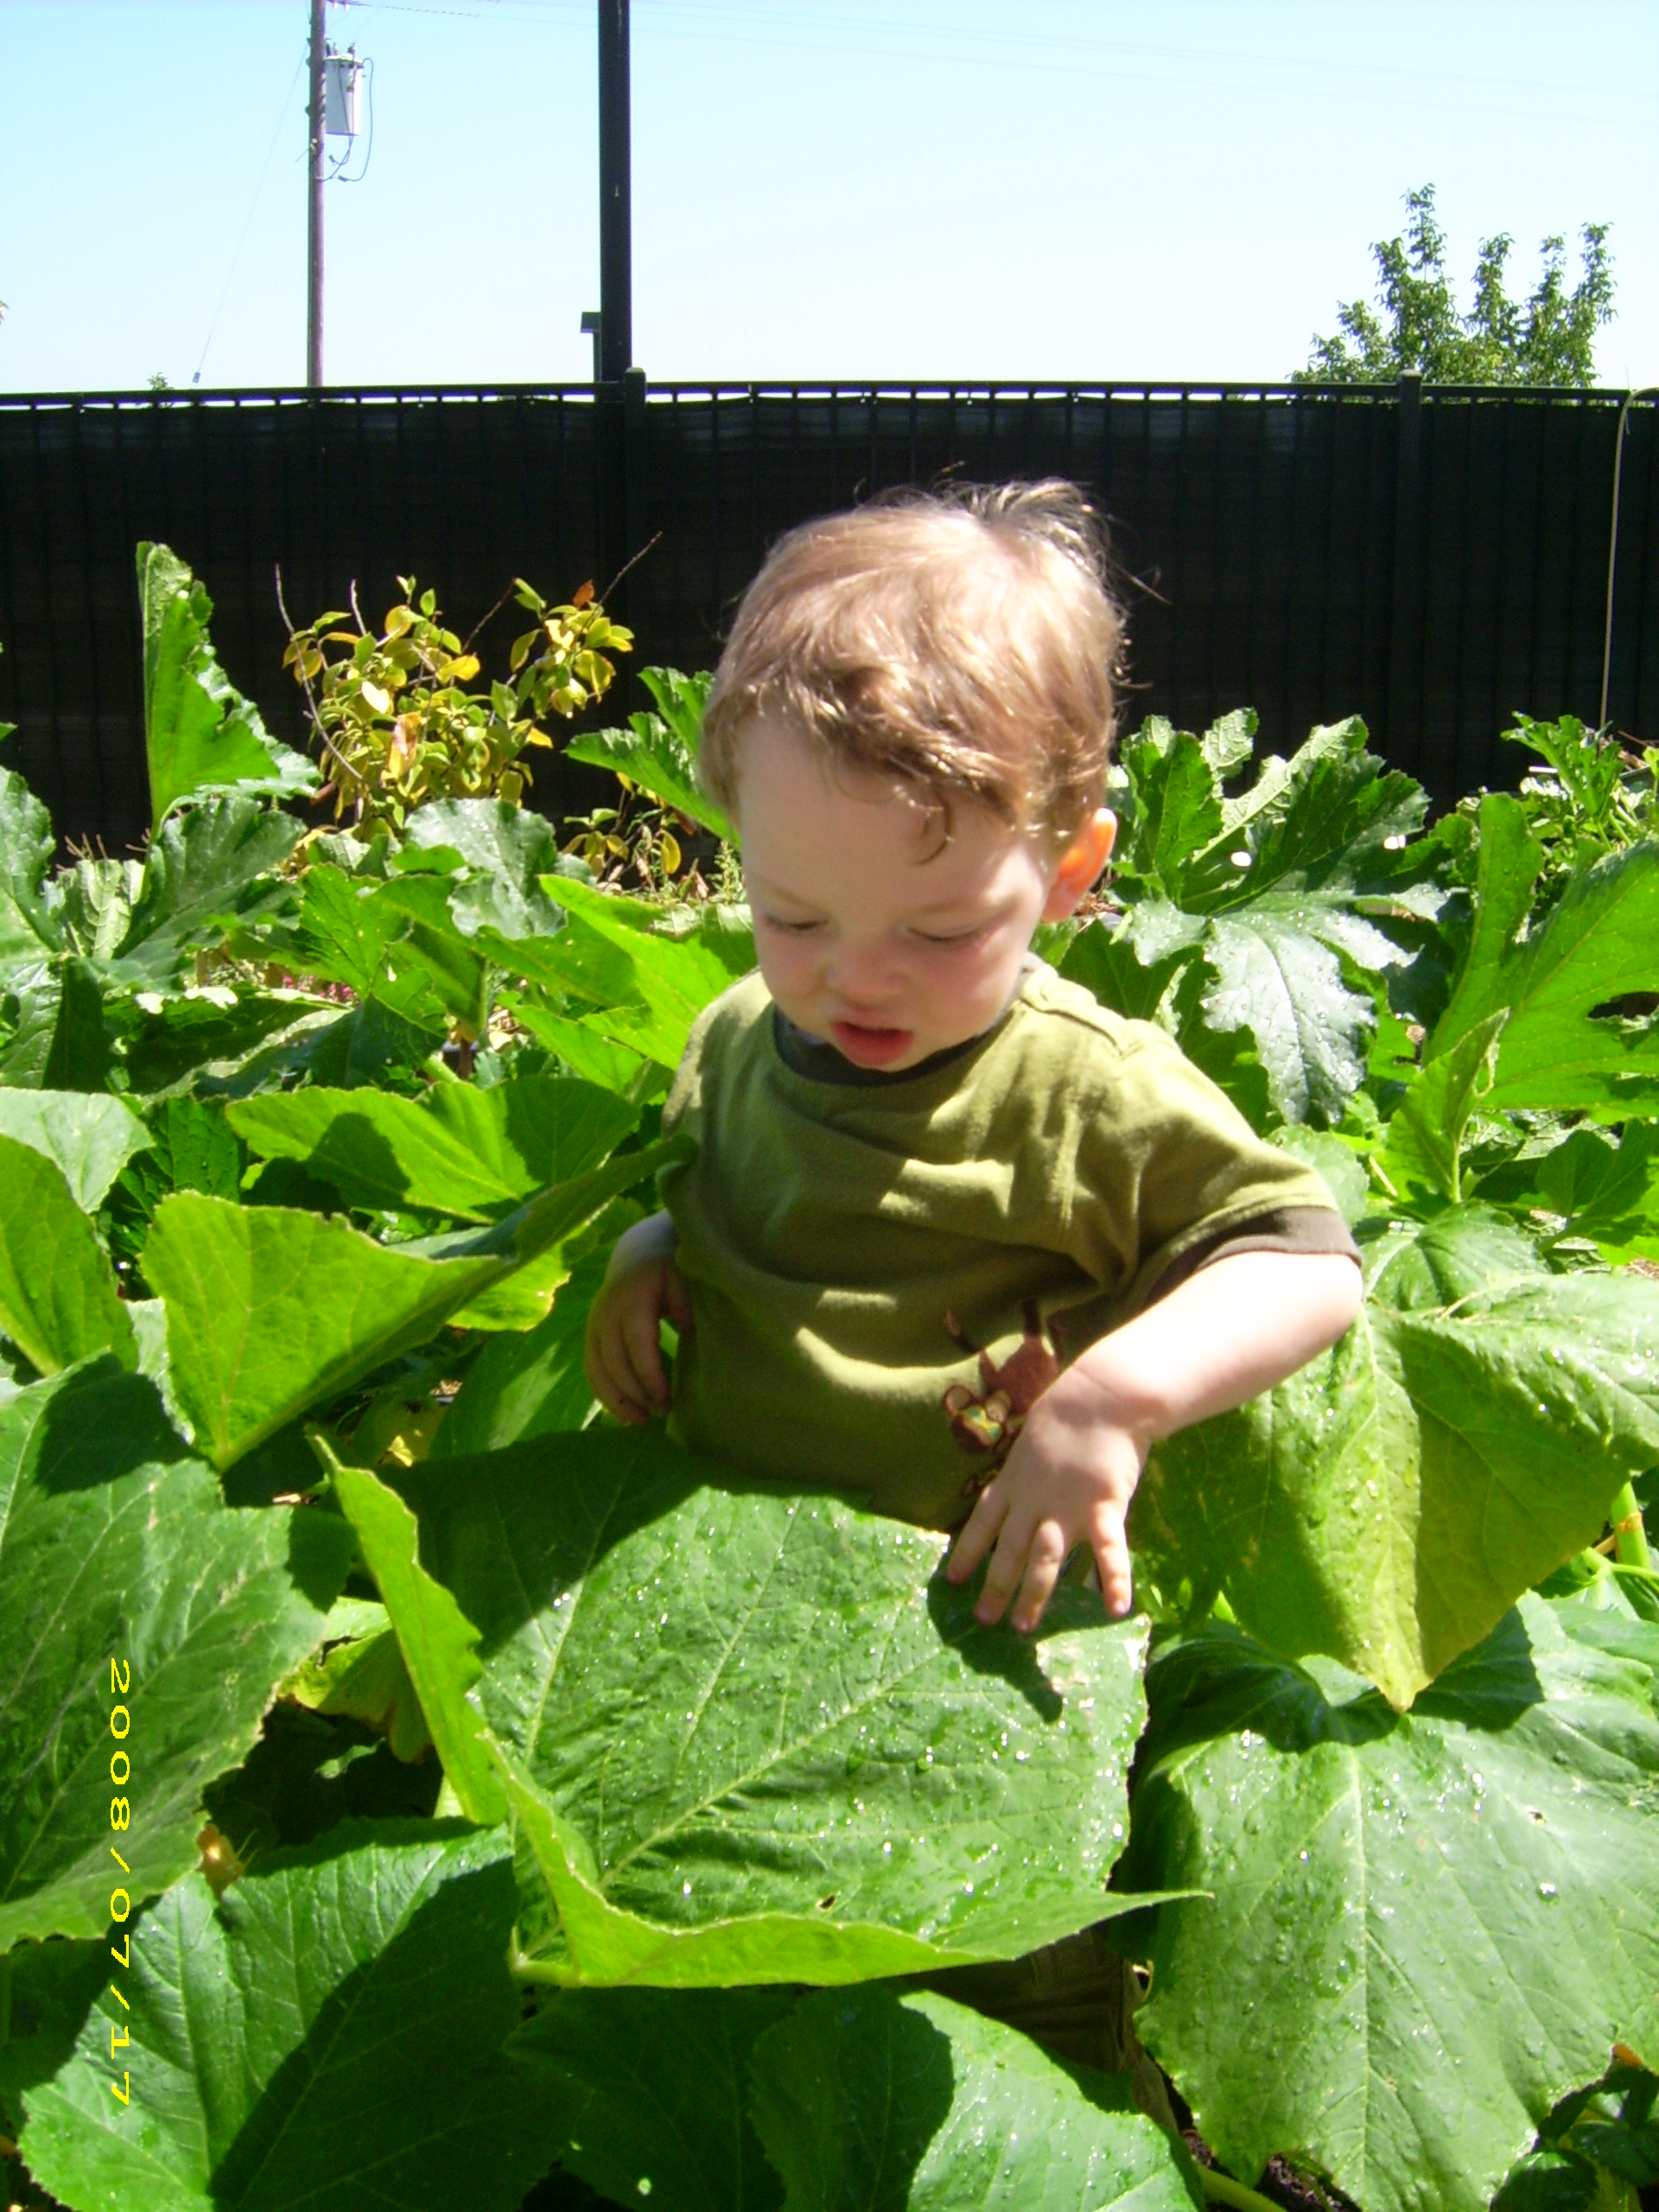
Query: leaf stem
[[1630, 1547], [1221, 2189]]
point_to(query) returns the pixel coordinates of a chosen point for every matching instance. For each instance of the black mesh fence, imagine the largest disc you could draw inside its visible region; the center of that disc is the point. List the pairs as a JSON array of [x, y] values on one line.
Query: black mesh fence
[[1430, 559]]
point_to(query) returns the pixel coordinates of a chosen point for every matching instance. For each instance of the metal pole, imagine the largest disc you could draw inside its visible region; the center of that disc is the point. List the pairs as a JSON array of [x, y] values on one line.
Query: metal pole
[[313, 224], [615, 219], [1648, 391]]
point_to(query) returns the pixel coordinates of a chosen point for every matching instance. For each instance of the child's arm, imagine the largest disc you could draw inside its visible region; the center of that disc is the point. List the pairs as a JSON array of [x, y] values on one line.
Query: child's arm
[[621, 1354], [1228, 1332]]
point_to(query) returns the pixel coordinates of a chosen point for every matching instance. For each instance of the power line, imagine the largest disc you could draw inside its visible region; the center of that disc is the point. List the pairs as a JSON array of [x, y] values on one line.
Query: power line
[[276, 137], [729, 24]]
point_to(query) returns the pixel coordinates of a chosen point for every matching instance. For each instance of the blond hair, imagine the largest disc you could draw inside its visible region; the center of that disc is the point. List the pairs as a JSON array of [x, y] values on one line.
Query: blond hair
[[961, 642]]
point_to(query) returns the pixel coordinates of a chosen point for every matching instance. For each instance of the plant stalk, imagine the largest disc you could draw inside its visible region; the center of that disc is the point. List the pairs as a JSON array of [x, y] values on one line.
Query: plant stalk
[[1221, 2189], [1630, 1547]]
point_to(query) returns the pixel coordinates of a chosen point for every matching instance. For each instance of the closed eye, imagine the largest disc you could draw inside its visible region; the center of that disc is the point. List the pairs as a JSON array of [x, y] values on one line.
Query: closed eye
[[795, 929], [951, 937]]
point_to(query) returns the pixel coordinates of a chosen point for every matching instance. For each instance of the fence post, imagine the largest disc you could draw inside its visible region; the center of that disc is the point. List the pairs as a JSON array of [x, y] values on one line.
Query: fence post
[[1404, 735]]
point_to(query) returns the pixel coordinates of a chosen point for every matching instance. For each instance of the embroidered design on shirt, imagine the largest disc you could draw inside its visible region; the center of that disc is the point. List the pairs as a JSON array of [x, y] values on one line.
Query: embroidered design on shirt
[[986, 1421]]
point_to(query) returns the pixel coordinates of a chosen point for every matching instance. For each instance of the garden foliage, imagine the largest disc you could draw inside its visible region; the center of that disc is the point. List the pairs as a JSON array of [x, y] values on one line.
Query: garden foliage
[[590, 1806]]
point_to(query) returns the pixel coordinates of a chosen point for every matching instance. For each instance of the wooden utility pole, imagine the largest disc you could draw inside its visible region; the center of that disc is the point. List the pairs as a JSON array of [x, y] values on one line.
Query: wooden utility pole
[[615, 347], [313, 224]]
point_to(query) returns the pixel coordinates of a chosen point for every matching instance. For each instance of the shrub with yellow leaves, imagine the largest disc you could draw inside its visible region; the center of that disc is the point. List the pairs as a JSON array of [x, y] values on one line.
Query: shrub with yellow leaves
[[397, 722]]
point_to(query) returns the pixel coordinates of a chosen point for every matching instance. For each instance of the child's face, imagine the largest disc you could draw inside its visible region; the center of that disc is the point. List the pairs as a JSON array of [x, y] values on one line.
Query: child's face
[[866, 933]]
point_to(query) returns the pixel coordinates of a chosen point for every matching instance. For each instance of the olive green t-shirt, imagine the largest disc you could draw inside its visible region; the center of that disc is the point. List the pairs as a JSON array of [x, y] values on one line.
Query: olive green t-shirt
[[1069, 1161]]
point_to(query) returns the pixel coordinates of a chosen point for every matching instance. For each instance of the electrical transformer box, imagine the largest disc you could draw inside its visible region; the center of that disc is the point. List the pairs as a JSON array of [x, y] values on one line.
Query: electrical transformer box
[[342, 75]]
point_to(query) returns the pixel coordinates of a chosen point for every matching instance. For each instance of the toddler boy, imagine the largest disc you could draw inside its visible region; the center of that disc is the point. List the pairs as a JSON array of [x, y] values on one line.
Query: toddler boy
[[953, 1227]]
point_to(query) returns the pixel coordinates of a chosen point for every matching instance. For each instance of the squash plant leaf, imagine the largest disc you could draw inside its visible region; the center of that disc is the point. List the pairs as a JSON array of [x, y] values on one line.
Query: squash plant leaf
[[1424, 1148], [752, 1737], [872, 2097], [200, 735], [1431, 1926], [492, 857], [206, 874], [439, 1645], [528, 1382], [90, 1137], [1388, 1504], [115, 1546], [1275, 894], [58, 1299], [328, 2033], [642, 986], [460, 1150], [1563, 1043], [206, 1038], [632, 2127], [272, 1310], [26, 844], [659, 752]]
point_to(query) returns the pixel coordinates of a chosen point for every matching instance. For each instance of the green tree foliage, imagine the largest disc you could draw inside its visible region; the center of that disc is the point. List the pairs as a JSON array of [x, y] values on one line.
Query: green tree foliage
[[1548, 341]]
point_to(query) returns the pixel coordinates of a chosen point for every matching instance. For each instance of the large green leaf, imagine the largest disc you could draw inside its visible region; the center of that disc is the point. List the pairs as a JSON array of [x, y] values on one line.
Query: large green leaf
[[868, 2101], [438, 1643], [26, 844], [91, 1138], [328, 2034], [753, 1736], [651, 2088], [115, 1547], [1598, 945], [1176, 807], [659, 752], [200, 735], [460, 1150], [1388, 1504], [1427, 1928], [1596, 1185], [58, 1300], [51, 1989], [1270, 894], [498, 854], [206, 874], [345, 929], [272, 1310], [645, 986], [528, 1382], [1425, 1133], [206, 1036]]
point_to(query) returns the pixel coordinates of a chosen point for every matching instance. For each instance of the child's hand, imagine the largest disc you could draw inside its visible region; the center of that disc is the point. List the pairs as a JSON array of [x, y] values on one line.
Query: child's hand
[[1236, 1328], [1069, 1476], [622, 1355]]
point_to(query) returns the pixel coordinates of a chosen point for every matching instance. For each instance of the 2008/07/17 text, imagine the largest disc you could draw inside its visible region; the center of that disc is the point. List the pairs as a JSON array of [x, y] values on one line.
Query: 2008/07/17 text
[[120, 1818]]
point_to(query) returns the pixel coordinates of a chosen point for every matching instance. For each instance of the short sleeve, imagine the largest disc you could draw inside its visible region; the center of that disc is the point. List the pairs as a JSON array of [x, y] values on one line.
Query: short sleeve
[[1168, 1170]]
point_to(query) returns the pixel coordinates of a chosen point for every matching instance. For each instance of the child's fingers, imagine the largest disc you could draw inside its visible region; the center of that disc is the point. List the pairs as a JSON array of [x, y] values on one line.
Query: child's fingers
[[978, 1533], [1043, 1565], [1111, 1551], [643, 1350], [1007, 1566], [679, 1297], [605, 1364]]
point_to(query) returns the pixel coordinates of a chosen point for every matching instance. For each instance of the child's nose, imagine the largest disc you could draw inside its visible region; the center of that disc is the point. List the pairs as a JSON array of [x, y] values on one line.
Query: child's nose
[[862, 972]]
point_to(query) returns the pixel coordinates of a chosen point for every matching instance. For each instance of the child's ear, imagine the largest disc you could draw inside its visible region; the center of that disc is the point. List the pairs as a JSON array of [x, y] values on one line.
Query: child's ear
[[1080, 864]]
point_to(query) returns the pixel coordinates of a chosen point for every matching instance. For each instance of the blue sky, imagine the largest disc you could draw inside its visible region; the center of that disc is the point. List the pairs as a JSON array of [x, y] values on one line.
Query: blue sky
[[1078, 189]]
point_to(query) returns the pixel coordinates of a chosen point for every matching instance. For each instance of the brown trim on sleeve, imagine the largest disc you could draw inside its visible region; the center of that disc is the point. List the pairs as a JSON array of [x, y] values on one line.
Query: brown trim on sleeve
[[1278, 1228]]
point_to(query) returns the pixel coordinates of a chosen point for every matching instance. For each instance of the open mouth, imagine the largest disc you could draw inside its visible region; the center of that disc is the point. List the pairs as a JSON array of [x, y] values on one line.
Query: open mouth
[[871, 1048]]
